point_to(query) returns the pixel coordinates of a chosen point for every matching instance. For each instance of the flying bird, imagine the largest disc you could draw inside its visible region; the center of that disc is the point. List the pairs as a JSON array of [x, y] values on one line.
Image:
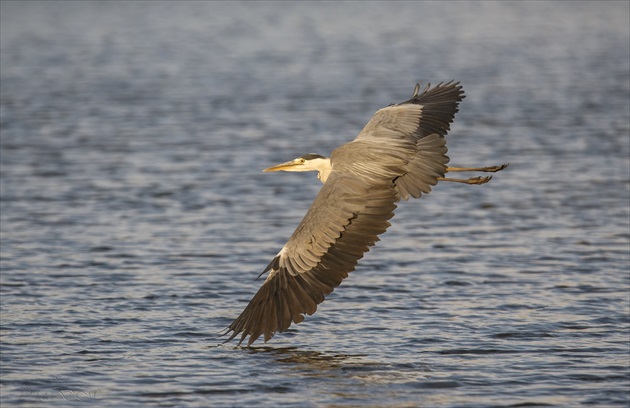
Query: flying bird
[[400, 153]]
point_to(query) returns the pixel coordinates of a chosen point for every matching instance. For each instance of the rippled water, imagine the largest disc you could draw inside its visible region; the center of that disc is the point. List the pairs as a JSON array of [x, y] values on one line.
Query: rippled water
[[135, 216]]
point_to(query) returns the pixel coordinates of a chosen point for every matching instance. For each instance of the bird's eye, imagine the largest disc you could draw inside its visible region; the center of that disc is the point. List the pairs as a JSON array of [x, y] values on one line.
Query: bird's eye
[[302, 161]]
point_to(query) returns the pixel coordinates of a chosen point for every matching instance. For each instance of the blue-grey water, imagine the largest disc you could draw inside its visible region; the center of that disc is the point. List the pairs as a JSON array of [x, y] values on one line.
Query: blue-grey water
[[135, 216]]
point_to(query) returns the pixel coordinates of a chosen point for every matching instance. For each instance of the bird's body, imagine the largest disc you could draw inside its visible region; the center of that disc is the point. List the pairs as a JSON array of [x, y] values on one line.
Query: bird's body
[[400, 153]]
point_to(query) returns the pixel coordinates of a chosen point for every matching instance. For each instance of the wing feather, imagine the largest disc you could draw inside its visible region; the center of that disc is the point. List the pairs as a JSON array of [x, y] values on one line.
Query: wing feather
[[293, 288], [430, 112], [416, 128]]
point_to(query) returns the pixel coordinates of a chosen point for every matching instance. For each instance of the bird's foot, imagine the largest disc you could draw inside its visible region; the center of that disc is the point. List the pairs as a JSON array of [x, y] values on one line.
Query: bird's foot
[[472, 180]]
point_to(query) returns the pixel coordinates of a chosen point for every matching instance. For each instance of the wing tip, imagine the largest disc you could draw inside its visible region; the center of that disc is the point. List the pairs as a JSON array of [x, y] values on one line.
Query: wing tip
[[235, 332], [416, 90], [450, 85]]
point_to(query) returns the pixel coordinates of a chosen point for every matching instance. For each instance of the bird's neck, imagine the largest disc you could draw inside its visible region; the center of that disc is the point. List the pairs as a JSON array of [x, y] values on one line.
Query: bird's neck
[[323, 167]]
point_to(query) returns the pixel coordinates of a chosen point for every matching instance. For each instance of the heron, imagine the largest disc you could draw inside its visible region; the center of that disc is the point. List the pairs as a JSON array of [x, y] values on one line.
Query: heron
[[400, 153]]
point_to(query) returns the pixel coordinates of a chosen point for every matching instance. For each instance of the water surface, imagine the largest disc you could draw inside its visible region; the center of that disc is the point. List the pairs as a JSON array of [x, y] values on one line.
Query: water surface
[[135, 216]]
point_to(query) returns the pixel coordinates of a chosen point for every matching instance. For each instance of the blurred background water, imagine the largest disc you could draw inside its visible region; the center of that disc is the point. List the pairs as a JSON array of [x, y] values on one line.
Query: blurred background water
[[135, 217]]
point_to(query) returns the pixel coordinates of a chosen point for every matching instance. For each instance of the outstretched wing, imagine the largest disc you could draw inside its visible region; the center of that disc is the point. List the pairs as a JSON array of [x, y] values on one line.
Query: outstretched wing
[[342, 223], [431, 111], [415, 129]]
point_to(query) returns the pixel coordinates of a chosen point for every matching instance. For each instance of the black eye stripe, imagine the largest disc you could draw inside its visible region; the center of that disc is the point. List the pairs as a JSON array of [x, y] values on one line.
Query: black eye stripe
[[312, 156]]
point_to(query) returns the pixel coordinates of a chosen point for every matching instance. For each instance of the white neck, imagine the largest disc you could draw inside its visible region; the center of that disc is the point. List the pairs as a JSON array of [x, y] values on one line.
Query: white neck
[[323, 168]]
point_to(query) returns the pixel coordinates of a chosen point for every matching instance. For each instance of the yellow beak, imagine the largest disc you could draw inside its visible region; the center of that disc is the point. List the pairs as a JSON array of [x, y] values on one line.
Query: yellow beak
[[280, 167]]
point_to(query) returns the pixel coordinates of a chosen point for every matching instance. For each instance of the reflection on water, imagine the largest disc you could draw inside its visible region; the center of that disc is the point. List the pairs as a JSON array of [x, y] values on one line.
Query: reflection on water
[[314, 362]]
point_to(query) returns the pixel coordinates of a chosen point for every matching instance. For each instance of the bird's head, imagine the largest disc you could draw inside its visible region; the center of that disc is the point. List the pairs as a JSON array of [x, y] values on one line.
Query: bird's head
[[308, 162]]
